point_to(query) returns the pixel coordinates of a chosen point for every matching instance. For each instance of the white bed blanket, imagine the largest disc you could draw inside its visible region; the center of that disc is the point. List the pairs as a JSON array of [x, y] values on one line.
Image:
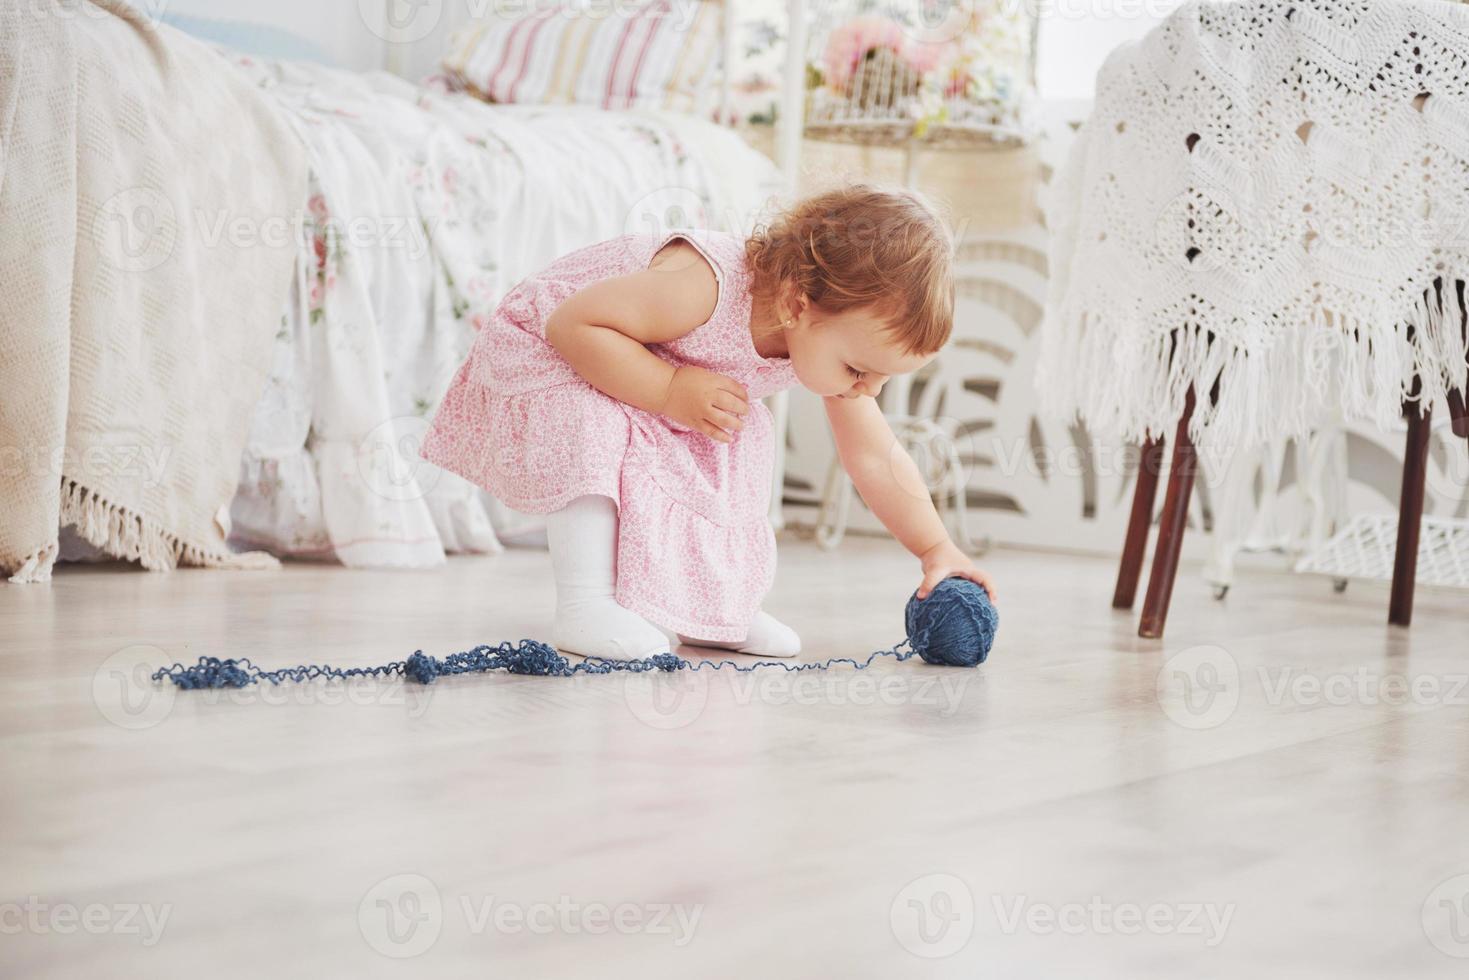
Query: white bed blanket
[[133, 338]]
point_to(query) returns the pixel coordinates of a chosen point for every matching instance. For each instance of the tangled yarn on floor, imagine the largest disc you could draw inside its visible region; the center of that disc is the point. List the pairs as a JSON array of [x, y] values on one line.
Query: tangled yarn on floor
[[953, 627]]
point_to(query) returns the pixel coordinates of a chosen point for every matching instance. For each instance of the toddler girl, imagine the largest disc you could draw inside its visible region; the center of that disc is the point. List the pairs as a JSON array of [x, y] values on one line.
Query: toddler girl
[[617, 393]]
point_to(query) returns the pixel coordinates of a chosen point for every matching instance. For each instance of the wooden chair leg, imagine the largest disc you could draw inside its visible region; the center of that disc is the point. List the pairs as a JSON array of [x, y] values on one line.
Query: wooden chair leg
[[1457, 410], [1144, 492], [1170, 528], [1410, 512]]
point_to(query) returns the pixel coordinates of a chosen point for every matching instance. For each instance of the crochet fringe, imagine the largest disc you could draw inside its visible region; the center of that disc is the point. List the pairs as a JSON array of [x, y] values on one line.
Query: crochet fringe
[[125, 534], [1328, 365]]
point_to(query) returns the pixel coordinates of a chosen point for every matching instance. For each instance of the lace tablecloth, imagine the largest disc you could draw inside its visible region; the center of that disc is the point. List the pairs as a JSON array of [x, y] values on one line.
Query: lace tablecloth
[[1273, 197]]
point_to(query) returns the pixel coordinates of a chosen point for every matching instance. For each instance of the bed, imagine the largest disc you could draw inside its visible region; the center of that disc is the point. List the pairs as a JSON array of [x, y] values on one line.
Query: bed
[[422, 204]]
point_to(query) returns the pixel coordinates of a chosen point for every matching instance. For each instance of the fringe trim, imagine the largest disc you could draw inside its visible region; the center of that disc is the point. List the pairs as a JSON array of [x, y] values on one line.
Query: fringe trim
[[123, 533], [1128, 381], [36, 567]]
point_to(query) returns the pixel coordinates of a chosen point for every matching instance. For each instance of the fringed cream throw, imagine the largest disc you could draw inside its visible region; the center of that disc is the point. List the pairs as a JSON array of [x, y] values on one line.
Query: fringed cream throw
[[1272, 197], [145, 198]]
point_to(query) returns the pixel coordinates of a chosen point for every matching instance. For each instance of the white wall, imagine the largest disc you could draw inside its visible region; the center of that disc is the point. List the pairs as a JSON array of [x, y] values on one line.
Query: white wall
[[335, 26], [1077, 35]]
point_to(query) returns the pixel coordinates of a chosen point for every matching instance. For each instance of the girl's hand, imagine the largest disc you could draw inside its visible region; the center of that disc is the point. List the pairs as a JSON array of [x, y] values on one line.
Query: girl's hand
[[945, 559], [706, 401]]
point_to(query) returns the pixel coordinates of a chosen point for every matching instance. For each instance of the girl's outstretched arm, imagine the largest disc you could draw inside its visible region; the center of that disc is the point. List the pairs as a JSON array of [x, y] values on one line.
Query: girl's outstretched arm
[[891, 485]]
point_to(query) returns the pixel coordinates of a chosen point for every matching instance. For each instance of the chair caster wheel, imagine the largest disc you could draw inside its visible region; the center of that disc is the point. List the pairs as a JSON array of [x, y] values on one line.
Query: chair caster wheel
[[1220, 591], [1338, 585]]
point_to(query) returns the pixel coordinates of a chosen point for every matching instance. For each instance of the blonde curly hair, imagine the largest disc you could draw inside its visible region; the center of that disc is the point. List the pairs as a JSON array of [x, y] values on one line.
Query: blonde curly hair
[[863, 247]]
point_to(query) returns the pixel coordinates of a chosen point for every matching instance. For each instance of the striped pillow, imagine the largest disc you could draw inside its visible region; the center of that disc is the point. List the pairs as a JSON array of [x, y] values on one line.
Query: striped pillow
[[662, 54]]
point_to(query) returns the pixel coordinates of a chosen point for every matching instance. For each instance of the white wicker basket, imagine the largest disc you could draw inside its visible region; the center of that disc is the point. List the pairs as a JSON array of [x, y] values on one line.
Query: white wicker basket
[[883, 100], [1364, 549]]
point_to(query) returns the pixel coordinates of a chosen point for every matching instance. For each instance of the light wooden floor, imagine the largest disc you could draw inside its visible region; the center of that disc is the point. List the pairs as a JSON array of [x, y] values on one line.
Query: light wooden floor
[[1051, 814]]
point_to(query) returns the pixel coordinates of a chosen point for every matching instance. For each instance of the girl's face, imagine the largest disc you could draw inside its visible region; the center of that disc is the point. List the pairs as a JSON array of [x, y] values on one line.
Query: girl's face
[[846, 355]]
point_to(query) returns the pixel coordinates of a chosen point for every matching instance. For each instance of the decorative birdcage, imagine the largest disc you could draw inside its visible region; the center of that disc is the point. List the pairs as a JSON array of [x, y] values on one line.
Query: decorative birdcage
[[937, 73]]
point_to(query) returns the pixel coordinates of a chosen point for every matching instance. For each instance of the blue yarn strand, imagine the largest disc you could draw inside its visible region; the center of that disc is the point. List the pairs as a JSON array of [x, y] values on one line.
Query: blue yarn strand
[[954, 627], [529, 658]]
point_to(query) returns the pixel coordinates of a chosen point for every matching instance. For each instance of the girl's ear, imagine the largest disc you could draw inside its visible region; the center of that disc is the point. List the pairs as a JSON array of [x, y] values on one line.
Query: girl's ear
[[796, 304]]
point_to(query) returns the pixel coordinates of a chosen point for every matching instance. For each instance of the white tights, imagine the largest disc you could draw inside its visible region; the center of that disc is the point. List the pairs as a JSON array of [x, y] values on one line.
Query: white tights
[[582, 537]]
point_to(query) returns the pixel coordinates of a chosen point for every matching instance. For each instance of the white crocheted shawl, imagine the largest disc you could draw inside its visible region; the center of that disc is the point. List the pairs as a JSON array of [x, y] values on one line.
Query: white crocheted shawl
[[1264, 197]]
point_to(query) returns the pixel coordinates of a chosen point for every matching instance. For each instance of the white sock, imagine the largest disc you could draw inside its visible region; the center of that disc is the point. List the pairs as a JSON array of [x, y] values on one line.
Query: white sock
[[582, 537], [768, 637]]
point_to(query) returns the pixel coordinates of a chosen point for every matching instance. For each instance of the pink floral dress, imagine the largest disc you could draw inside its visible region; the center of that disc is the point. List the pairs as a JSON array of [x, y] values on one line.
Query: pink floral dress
[[695, 549]]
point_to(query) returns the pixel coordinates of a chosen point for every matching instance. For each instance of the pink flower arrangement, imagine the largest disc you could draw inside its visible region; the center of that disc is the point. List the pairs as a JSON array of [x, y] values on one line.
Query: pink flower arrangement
[[849, 45]]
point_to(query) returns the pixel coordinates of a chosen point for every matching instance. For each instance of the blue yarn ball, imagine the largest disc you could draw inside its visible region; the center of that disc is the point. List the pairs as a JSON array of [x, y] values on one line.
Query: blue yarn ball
[[955, 626]]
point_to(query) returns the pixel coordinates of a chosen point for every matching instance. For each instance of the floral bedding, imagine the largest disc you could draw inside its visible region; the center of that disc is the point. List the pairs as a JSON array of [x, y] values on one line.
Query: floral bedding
[[425, 207]]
